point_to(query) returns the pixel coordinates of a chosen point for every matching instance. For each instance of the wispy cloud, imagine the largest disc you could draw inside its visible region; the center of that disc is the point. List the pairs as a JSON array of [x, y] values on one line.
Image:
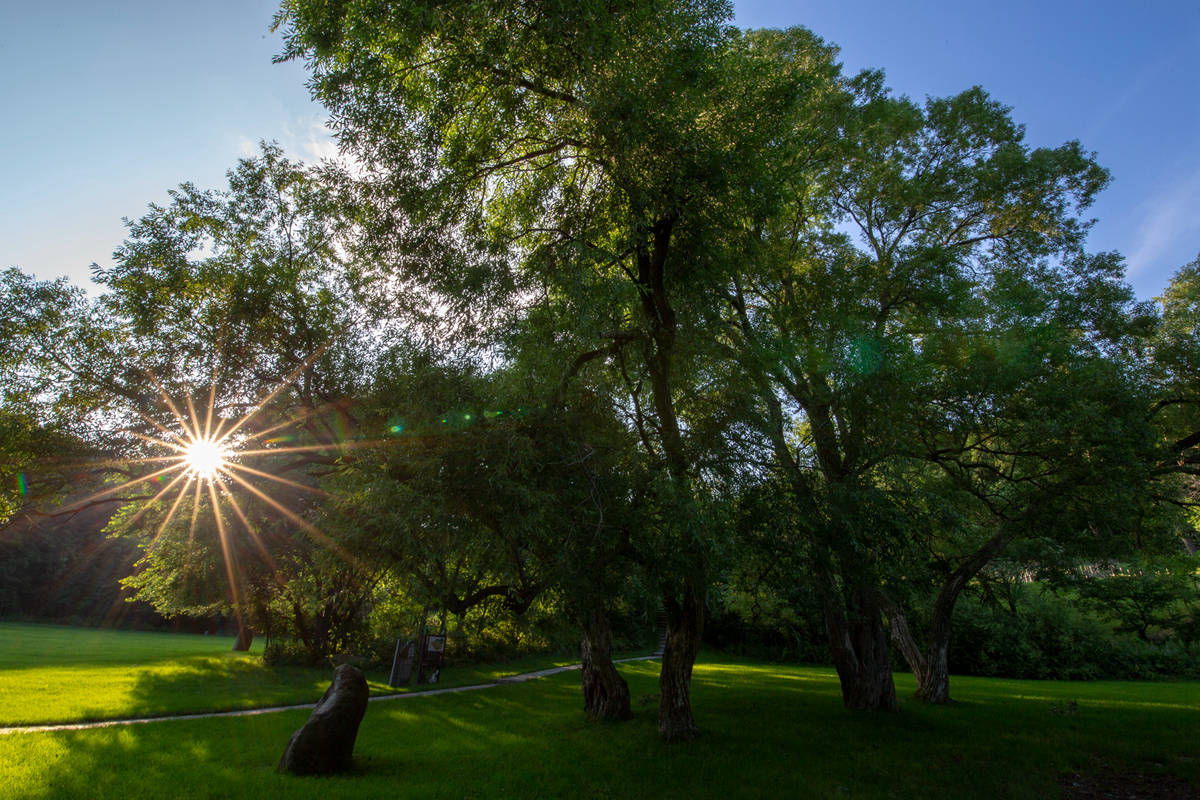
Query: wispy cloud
[[1169, 222], [311, 139], [308, 139]]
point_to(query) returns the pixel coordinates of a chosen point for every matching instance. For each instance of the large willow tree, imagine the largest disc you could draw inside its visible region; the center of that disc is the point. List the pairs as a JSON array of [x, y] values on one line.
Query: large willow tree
[[591, 157]]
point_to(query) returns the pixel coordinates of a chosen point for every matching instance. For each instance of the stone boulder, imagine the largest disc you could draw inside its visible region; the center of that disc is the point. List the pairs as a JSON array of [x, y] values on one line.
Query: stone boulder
[[325, 744]]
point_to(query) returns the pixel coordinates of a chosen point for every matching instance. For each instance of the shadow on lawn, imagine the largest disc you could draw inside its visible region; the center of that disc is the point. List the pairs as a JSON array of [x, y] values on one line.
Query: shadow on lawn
[[197, 685]]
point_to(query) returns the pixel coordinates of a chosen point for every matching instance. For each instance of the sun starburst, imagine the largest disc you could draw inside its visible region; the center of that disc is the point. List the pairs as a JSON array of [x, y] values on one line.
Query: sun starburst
[[205, 457], [199, 456]]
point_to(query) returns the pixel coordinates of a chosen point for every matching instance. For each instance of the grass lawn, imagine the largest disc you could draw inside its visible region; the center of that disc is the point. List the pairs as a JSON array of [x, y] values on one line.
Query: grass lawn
[[51, 673], [767, 731]]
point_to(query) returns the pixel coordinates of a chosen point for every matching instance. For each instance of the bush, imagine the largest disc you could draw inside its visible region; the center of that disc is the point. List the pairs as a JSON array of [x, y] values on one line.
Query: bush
[[765, 627], [1048, 637]]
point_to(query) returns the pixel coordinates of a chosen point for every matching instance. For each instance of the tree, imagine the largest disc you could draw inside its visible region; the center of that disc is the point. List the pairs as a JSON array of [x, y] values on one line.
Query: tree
[[245, 295], [47, 328], [846, 341], [1047, 458], [229, 316], [476, 499], [1175, 374], [591, 157]]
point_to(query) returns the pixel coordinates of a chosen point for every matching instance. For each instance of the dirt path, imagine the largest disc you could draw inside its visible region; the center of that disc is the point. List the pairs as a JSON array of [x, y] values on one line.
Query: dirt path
[[246, 712]]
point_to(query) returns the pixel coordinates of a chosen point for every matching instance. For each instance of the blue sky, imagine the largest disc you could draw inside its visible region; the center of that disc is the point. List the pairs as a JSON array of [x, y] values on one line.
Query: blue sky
[[107, 105]]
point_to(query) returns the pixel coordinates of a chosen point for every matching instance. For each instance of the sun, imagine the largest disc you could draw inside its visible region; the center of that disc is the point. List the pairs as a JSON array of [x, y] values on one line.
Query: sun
[[204, 458]]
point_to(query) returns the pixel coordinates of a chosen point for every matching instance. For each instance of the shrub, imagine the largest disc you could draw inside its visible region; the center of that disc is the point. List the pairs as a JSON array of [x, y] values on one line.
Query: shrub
[[1049, 637]]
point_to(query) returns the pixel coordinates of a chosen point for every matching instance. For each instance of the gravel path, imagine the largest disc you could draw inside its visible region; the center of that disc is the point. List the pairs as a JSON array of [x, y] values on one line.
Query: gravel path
[[108, 723]]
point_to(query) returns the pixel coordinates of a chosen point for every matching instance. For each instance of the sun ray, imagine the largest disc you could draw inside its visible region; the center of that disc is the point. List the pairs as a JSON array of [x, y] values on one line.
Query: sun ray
[[288, 381], [195, 518], [308, 412], [212, 394], [294, 420], [222, 534], [310, 448], [151, 440], [107, 492], [208, 413], [110, 463], [216, 434], [171, 514], [163, 429], [276, 478], [153, 459], [192, 432], [194, 416], [254, 537], [304, 524], [129, 523]]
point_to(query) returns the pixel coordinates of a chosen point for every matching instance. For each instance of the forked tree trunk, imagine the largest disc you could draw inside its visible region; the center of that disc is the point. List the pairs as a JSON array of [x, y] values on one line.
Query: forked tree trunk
[[685, 623], [932, 667], [605, 692], [859, 645]]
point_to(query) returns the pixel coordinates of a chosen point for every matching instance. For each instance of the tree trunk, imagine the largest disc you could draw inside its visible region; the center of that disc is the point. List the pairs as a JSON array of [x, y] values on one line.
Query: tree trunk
[[903, 638], [245, 636], [934, 687], [860, 651], [605, 692], [931, 668], [685, 623]]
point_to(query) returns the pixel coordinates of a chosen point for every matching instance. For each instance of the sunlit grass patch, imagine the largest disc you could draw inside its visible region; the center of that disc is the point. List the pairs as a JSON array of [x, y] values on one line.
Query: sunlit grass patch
[[51, 674]]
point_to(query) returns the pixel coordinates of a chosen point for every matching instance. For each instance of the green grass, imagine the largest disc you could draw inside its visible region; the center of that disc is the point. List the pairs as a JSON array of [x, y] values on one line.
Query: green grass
[[767, 731], [52, 673]]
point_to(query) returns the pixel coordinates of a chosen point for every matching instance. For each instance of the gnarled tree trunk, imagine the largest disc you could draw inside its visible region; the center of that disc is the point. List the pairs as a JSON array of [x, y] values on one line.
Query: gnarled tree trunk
[[605, 692], [245, 637], [860, 651], [685, 623]]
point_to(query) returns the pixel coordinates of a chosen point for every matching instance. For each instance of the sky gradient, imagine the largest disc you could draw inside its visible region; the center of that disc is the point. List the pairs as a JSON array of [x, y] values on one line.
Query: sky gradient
[[107, 106]]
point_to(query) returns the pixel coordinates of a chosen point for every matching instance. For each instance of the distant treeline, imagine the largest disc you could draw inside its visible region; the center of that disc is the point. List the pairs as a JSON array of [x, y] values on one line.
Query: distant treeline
[[65, 569]]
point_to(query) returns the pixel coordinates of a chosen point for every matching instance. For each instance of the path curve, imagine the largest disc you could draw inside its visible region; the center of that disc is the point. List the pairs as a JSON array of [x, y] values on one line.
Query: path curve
[[247, 712]]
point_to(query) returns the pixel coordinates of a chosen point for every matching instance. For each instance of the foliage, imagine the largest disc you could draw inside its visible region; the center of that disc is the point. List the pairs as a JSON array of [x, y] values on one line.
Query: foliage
[[1048, 637], [1174, 367], [241, 305], [45, 450], [620, 303], [1157, 599]]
